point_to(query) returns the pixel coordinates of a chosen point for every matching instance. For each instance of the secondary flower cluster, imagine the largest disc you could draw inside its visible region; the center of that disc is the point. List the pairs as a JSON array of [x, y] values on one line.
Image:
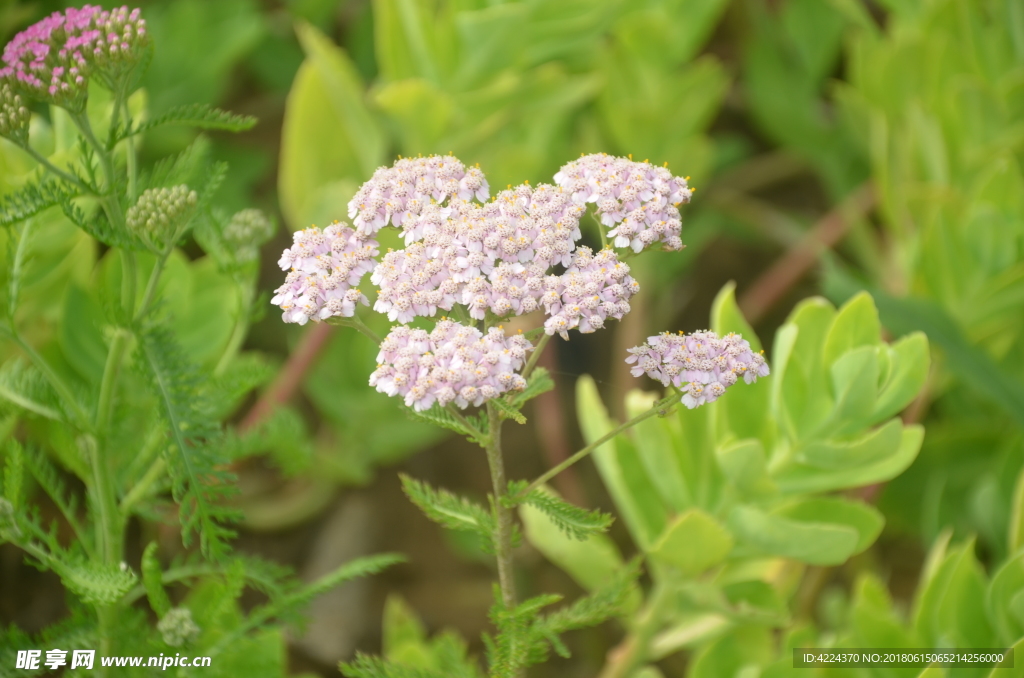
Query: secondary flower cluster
[[159, 213], [708, 363], [452, 364], [639, 200], [52, 59]]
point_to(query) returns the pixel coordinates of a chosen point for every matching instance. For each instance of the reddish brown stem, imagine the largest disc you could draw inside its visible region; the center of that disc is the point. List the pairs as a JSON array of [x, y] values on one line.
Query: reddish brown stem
[[554, 442], [290, 377], [774, 283]]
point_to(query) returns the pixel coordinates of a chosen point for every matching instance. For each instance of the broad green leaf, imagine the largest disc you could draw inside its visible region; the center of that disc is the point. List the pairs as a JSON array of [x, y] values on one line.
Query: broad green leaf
[[346, 95], [874, 446], [854, 387], [623, 475], [654, 447], [800, 478], [421, 113], [863, 518], [951, 606], [745, 412], [727, 656], [1003, 600], [909, 360], [1007, 671], [855, 325], [491, 41], [756, 601], [815, 543], [1015, 539], [693, 542], [873, 621], [745, 465]]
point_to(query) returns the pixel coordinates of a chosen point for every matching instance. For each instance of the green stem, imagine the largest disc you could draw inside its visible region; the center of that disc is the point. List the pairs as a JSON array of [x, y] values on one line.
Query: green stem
[[141, 489], [108, 529], [70, 178], [658, 408], [357, 323], [535, 356], [503, 514], [128, 274], [108, 385], [154, 279], [240, 330], [131, 159]]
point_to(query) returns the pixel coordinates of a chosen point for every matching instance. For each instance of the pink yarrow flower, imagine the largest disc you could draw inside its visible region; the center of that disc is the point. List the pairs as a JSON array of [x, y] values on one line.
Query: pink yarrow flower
[[52, 59], [702, 364], [453, 364], [639, 200]]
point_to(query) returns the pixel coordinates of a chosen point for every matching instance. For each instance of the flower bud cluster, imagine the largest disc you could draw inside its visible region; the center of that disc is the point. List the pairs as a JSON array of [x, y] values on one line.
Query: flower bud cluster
[[246, 231], [14, 116], [160, 213], [177, 627], [53, 58], [452, 364], [709, 364], [593, 288], [638, 199], [400, 193], [325, 268]]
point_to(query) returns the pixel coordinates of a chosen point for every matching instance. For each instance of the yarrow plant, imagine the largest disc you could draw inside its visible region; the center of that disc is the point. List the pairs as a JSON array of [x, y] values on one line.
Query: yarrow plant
[[475, 264], [142, 432]]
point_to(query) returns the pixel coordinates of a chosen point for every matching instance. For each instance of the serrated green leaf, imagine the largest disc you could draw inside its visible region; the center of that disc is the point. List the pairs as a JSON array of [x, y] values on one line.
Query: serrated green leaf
[[201, 116], [449, 510], [574, 521], [507, 411], [693, 542], [540, 381], [152, 576], [97, 584]]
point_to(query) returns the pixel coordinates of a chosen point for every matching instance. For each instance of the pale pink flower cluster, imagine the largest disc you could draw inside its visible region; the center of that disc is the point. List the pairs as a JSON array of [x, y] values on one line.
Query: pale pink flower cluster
[[638, 199], [489, 258], [593, 288], [53, 58], [708, 363], [400, 193], [325, 268], [453, 364]]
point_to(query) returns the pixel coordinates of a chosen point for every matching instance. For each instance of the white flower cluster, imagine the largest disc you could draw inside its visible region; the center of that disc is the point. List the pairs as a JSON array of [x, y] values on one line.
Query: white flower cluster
[[708, 363], [638, 199], [452, 364]]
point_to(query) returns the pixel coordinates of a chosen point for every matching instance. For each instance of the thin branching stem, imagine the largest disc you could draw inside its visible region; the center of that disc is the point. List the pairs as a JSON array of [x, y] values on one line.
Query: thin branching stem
[[503, 514], [658, 408], [50, 167], [535, 356]]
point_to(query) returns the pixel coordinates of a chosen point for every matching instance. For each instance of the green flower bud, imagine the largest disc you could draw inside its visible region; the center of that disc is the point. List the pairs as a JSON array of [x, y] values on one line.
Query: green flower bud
[[177, 627], [246, 231], [160, 213], [14, 117]]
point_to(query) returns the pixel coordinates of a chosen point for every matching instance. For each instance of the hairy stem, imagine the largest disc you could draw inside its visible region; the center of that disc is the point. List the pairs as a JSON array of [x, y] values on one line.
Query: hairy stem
[[658, 408], [503, 514], [535, 357]]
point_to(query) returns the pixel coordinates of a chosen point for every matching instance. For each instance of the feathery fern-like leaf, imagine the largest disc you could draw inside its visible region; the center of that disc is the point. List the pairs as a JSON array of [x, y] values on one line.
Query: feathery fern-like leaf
[[24, 387], [33, 198], [576, 522], [438, 416], [508, 411], [450, 510], [201, 116], [200, 482]]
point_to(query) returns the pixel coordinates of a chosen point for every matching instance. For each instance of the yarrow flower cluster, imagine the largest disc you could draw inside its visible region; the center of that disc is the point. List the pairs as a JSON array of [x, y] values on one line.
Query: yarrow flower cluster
[[245, 232], [325, 268], [709, 364], [53, 59], [452, 364], [512, 255], [640, 200]]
